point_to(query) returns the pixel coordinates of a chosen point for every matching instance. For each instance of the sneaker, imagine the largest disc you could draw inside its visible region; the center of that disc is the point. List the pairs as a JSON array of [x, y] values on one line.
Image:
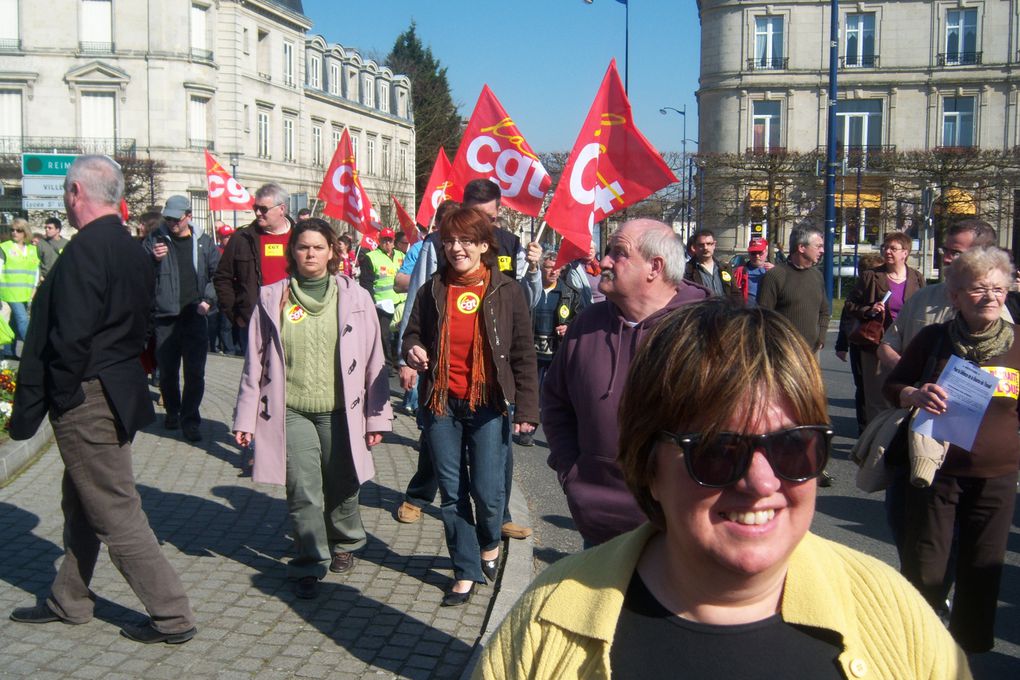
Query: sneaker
[[408, 513]]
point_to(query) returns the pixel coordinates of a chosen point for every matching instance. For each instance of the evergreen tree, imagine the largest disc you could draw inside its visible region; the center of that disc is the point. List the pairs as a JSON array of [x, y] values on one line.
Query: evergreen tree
[[436, 120]]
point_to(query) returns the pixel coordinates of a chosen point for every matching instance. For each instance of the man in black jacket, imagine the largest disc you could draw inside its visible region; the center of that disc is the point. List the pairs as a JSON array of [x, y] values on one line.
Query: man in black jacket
[[185, 262], [81, 365]]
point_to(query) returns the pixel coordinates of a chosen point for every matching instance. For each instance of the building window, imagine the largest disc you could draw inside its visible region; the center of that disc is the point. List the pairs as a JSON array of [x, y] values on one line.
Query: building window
[[246, 118], [334, 79], [403, 161], [288, 139], [385, 158], [10, 121], [199, 211], [370, 156], [337, 134], [98, 121], [198, 123], [315, 71], [768, 43], [368, 87], [245, 41], [855, 225], [384, 97], [262, 55], [288, 63], [9, 36], [958, 121], [860, 40], [199, 40], [961, 37], [263, 134], [859, 129], [317, 145], [765, 122], [355, 138], [96, 36]]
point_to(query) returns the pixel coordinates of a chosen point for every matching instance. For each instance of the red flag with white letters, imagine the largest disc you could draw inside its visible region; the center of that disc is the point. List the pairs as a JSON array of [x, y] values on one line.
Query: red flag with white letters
[[493, 148], [438, 189], [225, 192], [406, 222], [611, 166], [341, 190]]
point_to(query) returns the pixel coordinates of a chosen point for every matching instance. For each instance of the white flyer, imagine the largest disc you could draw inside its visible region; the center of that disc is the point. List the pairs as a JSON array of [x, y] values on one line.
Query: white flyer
[[970, 389]]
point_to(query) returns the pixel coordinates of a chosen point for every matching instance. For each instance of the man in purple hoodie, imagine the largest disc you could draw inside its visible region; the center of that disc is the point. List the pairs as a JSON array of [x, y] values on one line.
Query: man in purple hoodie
[[642, 279]]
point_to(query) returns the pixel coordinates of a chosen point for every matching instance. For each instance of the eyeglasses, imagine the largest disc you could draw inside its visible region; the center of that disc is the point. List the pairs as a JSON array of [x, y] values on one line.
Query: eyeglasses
[[796, 454], [981, 293], [262, 209], [464, 242]]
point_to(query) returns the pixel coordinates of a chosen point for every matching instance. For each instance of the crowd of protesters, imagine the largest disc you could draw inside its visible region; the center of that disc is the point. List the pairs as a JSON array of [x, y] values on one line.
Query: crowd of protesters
[[697, 516]]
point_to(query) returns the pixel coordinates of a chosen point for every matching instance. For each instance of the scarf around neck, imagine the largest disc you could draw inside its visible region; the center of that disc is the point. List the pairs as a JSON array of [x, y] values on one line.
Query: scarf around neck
[[979, 347], [482, 368]]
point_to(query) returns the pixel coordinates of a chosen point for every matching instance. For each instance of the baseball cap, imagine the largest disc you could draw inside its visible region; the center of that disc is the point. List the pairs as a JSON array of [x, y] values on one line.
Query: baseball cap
[[758, 246], [176, 206], [225, 230], [386, 233]]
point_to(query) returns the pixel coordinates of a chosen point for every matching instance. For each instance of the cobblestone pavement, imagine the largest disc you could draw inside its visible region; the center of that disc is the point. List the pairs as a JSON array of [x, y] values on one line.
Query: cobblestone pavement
[[227, 537]]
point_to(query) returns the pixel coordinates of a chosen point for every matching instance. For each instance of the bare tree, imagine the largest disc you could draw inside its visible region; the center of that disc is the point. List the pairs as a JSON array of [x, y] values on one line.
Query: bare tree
[[143, 182]]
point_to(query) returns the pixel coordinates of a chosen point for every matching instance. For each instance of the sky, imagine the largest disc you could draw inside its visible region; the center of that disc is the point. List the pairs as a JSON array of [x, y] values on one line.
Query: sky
[[544, 59]]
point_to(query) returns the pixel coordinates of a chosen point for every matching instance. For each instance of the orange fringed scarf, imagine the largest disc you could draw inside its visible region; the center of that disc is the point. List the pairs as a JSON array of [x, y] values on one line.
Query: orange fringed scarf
[[482, 368]]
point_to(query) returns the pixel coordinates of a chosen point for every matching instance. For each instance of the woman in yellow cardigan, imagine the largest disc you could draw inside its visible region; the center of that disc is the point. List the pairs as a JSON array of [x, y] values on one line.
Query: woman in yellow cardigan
[[726, 580]]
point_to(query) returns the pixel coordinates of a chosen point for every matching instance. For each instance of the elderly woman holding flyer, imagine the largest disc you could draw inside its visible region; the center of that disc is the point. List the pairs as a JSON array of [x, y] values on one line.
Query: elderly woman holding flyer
[[973, 493]]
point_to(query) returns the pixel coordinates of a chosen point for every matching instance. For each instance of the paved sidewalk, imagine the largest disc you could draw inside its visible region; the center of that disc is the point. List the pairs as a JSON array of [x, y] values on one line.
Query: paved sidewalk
[[227, 537]]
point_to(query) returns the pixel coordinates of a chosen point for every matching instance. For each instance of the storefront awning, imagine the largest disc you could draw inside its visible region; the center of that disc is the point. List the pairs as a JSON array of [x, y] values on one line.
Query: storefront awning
[[760, 197], [849, 200], [958, 202]]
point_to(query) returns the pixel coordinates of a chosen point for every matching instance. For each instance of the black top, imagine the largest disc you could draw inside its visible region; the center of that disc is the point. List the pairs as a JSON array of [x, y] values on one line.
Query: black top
[[651, 642], [188, 280]]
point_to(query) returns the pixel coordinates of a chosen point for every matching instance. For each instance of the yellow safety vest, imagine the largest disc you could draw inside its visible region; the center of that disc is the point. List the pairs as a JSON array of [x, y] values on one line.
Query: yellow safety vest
[[20, 273]]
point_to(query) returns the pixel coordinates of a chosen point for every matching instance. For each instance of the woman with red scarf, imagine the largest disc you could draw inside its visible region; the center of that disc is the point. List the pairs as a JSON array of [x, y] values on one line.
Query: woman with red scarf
[[469, 335]]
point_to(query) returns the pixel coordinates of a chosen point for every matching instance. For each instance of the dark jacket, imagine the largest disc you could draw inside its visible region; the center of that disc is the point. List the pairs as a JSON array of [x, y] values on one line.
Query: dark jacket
[[239, 275], [558, 307], [872, 287], [580, 402], [692, 274], [89, 320], [205, 259], [508, 329]]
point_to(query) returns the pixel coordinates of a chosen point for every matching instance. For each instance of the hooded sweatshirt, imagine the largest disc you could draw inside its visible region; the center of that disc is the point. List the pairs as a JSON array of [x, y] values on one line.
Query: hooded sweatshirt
[[580, 399]]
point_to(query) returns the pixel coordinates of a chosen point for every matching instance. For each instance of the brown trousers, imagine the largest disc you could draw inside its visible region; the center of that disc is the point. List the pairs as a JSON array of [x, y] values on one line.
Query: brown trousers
[[102, 505]]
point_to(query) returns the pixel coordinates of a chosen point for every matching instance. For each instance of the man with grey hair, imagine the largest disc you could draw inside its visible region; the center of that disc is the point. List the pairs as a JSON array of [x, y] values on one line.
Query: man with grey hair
[[81, 366], [642, 279], [255, 256], [795, 288]]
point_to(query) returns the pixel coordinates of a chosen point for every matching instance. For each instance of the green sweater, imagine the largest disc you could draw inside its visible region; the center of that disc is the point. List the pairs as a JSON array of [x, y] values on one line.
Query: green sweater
[[310, 336], [799, 295]]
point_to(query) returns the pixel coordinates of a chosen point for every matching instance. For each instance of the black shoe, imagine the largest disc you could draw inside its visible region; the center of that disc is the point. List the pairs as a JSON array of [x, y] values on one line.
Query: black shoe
[[826, 480], [307, 588], [171, 421], [526, 439], [455, 599], [192, 434], [148, 635], [37, 614], [490, 568], [342, 563]]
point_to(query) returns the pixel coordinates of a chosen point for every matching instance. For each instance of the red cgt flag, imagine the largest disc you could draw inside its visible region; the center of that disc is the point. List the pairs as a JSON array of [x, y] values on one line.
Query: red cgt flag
[[611, 166], [493, 148], [225, 192], [406, 223], [341, 190], [438, 189]]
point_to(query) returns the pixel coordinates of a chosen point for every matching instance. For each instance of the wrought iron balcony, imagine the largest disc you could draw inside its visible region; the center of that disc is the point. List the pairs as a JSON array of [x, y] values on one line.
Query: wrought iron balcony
[[10, 45], [862, 61], [205, 55], [866, 157], [958, 59], [767, 63], [201, 144], [765, 151], [96, 47], [117, 146]]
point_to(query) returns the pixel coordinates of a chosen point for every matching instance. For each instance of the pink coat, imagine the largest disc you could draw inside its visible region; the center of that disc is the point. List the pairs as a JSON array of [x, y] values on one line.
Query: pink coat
[[261, 399]]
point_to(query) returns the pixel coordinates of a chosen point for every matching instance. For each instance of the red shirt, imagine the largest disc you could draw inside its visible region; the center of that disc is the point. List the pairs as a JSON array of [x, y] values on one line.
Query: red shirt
[[273, 257], [466, 305]]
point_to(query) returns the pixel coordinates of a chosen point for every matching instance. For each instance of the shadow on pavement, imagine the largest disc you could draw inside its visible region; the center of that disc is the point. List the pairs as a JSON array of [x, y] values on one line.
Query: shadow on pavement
[[865, 516]]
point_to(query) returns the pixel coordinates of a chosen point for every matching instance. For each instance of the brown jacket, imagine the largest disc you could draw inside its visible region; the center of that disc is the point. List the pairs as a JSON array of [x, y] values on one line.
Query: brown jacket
[[872, 287], [508, 328], [238, 276]]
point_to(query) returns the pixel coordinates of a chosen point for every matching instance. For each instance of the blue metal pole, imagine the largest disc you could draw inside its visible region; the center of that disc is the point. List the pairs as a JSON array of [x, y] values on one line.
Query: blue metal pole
[[830, 165]]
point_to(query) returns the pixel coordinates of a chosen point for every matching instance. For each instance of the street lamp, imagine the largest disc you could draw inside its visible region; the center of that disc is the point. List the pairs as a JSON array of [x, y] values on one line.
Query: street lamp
[[235, 158], [683, 159], [626, 42]]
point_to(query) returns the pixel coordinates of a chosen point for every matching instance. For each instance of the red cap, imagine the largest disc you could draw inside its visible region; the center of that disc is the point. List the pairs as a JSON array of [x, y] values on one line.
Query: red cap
[[759, 245], [387, 233], [225, 230]]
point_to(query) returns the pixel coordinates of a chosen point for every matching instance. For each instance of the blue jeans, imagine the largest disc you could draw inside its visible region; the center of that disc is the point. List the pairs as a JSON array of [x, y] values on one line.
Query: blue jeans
[[19, 324], [476, 471]]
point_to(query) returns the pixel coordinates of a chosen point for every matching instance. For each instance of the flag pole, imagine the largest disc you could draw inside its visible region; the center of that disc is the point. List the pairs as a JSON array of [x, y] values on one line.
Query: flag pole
[[315, 205]]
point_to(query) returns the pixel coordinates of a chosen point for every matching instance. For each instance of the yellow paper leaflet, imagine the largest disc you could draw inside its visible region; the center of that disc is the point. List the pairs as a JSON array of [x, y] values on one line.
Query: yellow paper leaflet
[[467, 303], [1009, 381], [296, 314], [505, 263], [274, 250]]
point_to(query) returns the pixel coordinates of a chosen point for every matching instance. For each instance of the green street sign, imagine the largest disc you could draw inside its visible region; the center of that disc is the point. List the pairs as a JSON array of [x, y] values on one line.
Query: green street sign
[[51, 164]]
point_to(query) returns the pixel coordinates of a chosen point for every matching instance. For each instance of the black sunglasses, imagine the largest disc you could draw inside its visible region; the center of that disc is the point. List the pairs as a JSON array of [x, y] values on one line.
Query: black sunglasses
[[262, 210], [796, 454]]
